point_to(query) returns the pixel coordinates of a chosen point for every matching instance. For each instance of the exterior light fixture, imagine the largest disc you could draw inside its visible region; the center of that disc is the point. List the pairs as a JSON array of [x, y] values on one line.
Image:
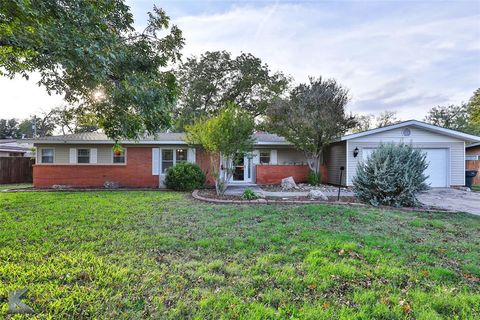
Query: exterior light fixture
[[355, 152]]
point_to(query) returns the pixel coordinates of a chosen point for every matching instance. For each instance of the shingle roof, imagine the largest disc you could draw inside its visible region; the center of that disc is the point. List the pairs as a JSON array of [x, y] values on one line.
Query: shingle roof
[[171, 137]]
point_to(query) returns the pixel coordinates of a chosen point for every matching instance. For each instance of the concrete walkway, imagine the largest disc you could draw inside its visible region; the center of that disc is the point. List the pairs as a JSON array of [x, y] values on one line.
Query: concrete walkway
[[452, 199]]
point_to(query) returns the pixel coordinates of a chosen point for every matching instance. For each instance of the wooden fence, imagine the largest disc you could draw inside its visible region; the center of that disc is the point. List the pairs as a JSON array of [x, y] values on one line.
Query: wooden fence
[[474, 165], [16, 170]]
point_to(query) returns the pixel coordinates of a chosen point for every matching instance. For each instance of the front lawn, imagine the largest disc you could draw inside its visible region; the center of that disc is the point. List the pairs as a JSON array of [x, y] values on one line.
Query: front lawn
[[476, 188], [134, 255]]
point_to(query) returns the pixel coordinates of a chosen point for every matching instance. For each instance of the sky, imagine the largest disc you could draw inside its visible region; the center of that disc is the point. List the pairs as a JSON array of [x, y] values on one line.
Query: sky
[[405, 56]]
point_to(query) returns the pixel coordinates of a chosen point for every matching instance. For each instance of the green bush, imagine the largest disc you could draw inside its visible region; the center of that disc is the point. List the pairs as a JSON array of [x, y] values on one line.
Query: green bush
[[314, 178], [184, 176], [249, 194], [392, 175]]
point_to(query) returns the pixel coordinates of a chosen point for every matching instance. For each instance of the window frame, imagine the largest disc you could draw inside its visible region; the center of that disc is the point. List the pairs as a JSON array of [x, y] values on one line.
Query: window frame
[[124, 157], [41, 155], [260, 156], [174, 160], [78, 155]]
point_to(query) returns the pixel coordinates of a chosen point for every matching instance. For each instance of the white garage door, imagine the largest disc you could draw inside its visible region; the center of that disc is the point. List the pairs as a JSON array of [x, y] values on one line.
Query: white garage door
[[437, 170], [437, 167]]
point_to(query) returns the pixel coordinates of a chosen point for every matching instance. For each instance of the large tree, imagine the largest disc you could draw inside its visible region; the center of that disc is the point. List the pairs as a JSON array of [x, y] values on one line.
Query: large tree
[[312, 117], [386, 118], [474, 111], [90, 52], [9, 129], [74, 120], [451, 117], [225, 137], [215, 78]]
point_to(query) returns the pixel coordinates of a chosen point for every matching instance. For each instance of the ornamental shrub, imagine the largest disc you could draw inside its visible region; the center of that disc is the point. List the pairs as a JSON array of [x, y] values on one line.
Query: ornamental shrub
[[314, 178], [249, 194], [392, 176], [184, 176]]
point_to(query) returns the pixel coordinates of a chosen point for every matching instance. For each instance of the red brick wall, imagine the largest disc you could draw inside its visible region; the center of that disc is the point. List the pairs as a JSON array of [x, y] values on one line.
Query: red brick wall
[[136, 173], [273, 174], [203, 159]]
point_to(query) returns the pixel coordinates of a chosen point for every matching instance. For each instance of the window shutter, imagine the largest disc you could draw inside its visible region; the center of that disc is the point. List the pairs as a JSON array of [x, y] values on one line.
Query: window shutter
[[155, 161], [73, 155], [93, 155], [273, 156], [191, 155], [256, 157]]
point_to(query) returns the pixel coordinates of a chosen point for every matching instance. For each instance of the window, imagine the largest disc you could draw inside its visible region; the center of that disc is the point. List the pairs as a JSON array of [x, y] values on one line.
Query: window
[[47, 155], [83, 155], [119, 156], [181, 155], [265, 157], [469, 157], [171, 157], [167, 159]]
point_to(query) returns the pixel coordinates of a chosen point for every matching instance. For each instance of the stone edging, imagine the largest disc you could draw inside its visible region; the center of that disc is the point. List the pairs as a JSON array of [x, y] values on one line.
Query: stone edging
[[196, 196]]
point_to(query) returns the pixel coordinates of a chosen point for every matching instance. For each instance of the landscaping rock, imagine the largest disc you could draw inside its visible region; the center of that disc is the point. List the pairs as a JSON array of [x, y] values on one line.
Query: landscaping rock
[[111, 185], [60, 186], [317, 195], [288, 183]]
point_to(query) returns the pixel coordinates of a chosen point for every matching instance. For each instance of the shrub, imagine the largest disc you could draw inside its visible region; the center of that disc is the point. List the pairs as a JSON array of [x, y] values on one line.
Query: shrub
[[184, 176], [392, 175], [314, 178], [249, 194]]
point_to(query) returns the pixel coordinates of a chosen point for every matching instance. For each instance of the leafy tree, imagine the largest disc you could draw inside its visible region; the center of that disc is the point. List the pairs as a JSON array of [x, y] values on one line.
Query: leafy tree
[[74, 120], [9, 129], [451, 117], [474, 112], [44, 125], [207, 83], [225, 137], [386, 118], [363, 123], [393, 175], [312, 117], [90, 52]]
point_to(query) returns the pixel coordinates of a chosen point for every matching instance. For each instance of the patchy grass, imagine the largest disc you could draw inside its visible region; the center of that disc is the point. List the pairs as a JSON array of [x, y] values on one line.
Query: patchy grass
[[6, 187], [476, 188], [161, 255]]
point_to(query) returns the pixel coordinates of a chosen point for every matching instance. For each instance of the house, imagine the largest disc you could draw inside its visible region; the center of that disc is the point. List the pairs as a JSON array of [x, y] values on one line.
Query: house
[[445, 150], [472, 160], [15, 148], [87, 159]]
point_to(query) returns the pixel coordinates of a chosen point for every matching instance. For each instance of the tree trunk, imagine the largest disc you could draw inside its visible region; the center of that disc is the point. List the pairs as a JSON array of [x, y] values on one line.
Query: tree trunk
[[224, 176]]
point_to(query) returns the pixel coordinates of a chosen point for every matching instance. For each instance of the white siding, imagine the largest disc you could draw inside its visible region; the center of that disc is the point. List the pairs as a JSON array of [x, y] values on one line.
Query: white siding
[[419, 138]]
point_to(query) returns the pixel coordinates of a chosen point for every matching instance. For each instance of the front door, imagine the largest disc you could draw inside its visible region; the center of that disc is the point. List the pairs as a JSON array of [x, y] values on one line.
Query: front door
[[242, 170]]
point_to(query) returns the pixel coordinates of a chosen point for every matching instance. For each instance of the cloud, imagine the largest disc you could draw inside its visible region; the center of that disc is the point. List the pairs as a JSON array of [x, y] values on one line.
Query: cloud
[[409, 60], [405, 56]]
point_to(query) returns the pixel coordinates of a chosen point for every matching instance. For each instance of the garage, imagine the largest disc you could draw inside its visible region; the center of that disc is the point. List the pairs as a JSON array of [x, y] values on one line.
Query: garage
[[437, 170], [444, 149]]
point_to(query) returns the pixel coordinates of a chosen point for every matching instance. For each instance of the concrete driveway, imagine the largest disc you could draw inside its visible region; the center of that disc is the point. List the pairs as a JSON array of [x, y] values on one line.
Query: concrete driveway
[[452, 199]]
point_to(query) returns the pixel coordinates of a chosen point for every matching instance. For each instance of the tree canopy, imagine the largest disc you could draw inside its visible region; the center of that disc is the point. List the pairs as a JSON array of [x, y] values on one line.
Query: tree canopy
[[312, 117], [451, 117], [90, 52], [208, 82], [224, 136]]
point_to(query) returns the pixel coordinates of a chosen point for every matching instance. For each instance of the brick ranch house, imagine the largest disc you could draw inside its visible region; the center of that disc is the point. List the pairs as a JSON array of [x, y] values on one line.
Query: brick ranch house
[[87, 159]]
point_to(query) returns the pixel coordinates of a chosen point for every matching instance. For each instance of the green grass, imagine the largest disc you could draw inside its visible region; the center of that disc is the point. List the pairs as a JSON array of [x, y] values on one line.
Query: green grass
[[476, 188], [5, 187], [132, 255]]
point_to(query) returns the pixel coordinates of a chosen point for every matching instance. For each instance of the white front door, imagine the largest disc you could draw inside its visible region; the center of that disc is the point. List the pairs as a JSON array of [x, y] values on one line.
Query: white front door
[[242, 171]]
